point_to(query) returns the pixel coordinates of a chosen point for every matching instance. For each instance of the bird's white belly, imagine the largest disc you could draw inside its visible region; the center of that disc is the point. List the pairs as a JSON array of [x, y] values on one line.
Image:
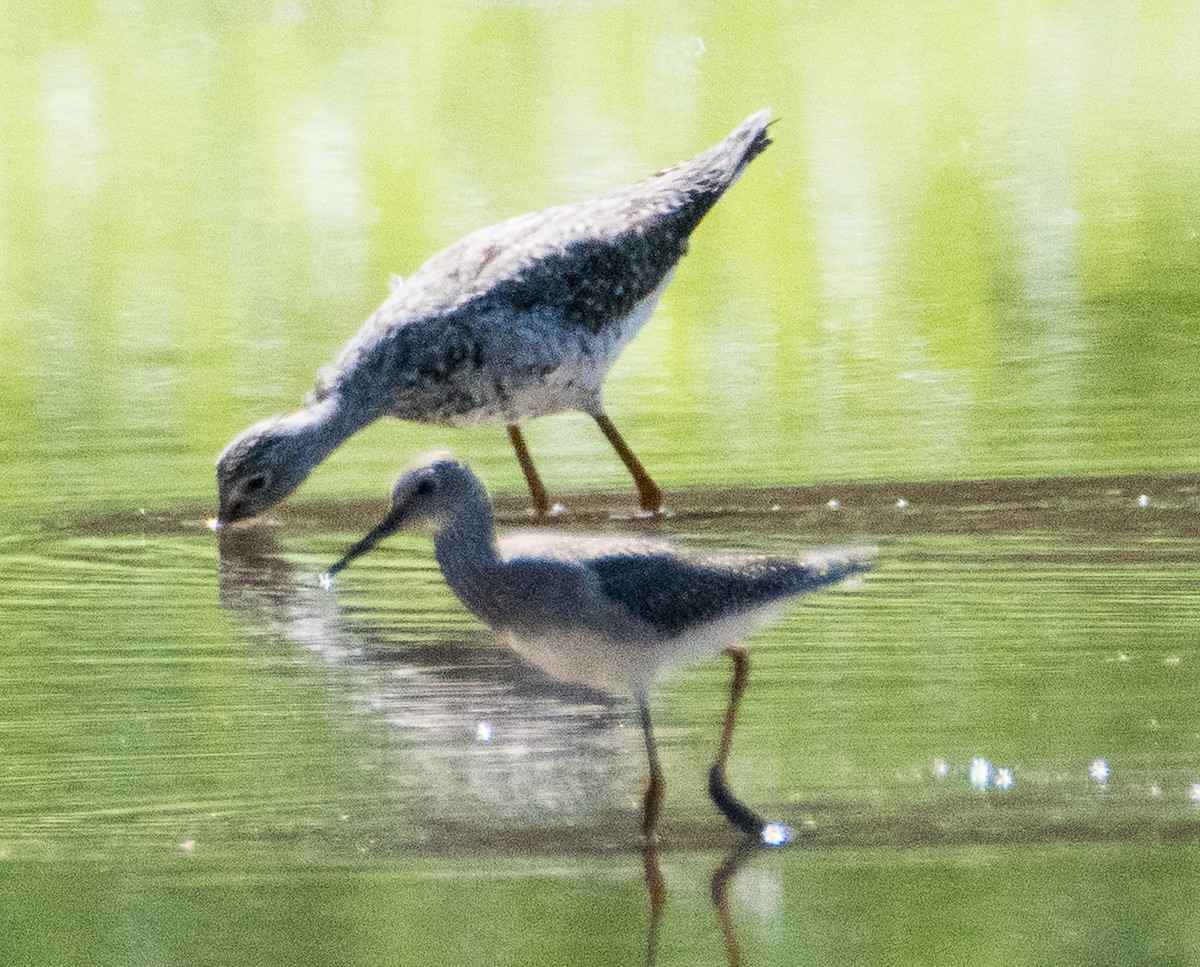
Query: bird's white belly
[[613, 340], [620, 667], [569, 367]]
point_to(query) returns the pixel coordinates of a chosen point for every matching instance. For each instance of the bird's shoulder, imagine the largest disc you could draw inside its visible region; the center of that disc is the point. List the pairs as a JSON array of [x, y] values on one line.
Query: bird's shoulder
[[548, 588]]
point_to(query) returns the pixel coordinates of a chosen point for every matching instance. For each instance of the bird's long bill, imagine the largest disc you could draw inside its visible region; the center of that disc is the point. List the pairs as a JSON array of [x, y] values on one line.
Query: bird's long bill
[[389, 525]]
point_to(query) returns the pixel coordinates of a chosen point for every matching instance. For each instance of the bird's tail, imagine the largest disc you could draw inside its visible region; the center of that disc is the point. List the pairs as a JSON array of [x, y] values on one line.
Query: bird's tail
[[831, 565], [728, 158], [675, 199], [747, 141]]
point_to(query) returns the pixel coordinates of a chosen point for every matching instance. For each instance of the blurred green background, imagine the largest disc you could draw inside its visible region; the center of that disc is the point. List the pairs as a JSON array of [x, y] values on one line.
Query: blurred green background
[[968, 263], [975, 238]]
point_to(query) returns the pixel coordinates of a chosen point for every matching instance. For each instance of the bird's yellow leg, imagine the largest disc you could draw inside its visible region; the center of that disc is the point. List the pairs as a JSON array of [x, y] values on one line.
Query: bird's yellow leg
[[737, 812], [655, 784], [650, 497], [737, 686], [537, 489]]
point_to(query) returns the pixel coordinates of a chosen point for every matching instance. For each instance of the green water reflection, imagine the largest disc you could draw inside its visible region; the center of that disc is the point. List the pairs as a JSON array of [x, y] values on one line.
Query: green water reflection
[[980, 908], [974, 238], [968, 262]]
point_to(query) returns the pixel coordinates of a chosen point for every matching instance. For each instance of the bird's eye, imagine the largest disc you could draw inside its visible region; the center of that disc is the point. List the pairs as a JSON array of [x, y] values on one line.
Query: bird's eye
[[426, 487], [257, 482]]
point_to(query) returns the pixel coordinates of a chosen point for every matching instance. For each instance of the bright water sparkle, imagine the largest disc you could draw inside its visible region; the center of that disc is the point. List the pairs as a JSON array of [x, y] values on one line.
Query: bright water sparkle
[[980, 773], [775, 834]]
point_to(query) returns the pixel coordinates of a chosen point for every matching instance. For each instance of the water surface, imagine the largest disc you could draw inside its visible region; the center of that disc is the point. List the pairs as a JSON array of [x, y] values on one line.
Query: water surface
[[950, 313]]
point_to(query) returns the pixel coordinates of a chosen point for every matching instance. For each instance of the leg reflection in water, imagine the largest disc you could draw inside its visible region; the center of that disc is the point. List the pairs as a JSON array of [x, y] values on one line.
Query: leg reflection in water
[[757, 830], [656, 890], [722, 880], [738, 813]]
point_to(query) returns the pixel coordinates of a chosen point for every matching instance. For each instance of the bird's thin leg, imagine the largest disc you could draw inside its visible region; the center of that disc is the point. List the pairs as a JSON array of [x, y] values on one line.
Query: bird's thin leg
[[737, 812], [737, 685], [655, 784], [537, 489], [656, 889], [721, 881], [649, 494]]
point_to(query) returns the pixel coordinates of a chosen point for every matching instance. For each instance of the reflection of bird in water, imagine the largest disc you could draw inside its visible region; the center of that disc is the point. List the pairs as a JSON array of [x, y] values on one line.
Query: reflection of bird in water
[[606, 611], [513, 322], [422, 707], [258, 582]]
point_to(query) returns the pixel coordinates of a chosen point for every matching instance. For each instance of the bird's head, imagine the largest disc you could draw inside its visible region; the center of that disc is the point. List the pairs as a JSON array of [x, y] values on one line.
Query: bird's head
[[262, 466], [435, 491]]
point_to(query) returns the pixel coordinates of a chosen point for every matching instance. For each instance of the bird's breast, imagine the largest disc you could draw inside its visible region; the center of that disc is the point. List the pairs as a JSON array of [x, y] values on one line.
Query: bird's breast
[[509, 366]]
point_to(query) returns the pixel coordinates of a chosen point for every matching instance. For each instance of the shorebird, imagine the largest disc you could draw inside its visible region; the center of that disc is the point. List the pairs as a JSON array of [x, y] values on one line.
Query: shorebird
[[516, 321], [606, 611]]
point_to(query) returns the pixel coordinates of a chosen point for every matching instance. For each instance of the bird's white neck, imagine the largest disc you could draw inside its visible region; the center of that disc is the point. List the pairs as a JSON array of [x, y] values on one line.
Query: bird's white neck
[[465, 547], [323, 426]]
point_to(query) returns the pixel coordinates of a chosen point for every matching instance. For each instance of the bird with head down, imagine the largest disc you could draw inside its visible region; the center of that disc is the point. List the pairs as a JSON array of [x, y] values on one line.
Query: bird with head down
[[512, 322]]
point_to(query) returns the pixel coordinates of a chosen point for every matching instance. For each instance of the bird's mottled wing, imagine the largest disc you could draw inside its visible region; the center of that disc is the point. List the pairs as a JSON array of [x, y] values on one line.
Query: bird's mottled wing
[[673, 593], [592, 260], [589, 263]]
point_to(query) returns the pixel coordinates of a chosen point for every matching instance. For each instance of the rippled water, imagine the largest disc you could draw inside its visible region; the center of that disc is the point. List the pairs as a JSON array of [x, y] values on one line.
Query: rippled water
[[308, 745], [950, 314]]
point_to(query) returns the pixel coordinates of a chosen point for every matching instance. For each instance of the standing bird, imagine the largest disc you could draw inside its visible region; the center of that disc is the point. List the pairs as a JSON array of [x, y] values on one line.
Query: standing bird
[[519, 320], [606, 611]]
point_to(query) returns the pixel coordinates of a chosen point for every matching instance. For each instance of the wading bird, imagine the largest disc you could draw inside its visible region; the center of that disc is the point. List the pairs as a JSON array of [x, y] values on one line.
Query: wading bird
[[516, 321], [607, 611]]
